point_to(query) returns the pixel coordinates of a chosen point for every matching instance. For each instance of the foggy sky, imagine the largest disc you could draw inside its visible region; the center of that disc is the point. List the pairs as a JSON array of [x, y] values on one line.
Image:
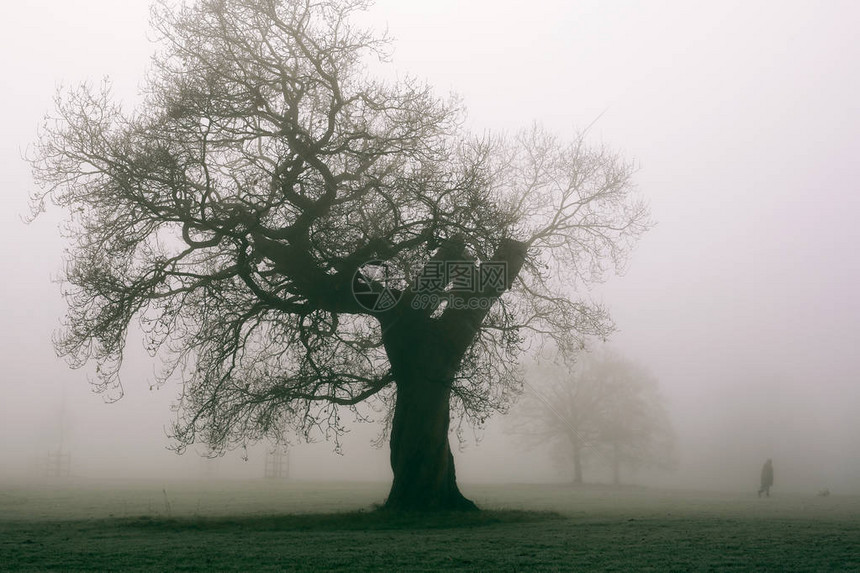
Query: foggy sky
[[744, 118]]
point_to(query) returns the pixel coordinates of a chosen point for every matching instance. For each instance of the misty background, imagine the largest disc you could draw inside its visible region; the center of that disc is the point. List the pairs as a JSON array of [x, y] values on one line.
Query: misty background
[[744, 118]]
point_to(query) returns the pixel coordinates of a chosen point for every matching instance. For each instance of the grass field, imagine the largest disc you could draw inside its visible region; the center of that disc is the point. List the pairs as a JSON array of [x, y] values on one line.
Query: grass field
[[273, 526]]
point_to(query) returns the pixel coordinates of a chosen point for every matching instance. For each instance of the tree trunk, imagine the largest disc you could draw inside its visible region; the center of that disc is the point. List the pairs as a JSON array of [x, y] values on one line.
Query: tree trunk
[[425, 354], [421, 457], [424, 364], [577, 464]]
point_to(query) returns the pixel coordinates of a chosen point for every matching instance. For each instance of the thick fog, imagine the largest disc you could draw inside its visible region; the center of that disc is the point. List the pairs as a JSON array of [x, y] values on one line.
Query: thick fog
[[744, 119]]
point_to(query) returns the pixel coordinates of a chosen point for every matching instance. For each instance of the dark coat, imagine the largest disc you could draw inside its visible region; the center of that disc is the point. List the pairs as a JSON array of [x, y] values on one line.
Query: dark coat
[[767, 474]]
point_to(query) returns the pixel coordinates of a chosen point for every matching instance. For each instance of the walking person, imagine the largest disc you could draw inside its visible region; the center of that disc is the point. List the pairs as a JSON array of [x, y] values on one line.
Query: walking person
[[766, 478]]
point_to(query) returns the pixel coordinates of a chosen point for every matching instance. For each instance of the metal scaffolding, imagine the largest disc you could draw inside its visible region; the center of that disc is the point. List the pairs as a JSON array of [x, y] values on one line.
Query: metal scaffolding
[[277, 463], [58, 464]]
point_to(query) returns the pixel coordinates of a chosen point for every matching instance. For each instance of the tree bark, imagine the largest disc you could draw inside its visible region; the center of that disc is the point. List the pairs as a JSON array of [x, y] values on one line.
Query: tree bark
[[421, 457]]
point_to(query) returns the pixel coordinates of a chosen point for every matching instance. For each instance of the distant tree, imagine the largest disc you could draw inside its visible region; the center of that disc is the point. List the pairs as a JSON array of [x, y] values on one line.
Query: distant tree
[[296, 237], [599, 409]]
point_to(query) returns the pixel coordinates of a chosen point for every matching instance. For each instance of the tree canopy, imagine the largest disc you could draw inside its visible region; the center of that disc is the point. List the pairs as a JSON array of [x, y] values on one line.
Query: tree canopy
[[249, 214]]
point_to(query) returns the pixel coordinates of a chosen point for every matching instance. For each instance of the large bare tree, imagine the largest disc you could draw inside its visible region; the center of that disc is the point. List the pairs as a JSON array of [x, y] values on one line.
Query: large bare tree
[[295, 236]]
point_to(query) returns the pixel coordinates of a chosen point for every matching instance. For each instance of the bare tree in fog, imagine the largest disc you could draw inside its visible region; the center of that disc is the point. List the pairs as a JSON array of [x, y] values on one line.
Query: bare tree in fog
[[296, 237], [599, 410]]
